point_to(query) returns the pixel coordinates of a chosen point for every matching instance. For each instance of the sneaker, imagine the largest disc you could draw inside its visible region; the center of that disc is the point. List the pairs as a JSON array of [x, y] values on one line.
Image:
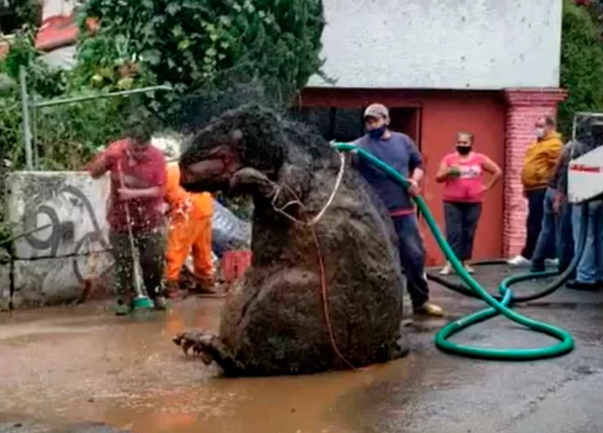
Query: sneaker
[[469, 269], [429, 310], [519, 261], [578, 285], [552, 262], [446, 270]]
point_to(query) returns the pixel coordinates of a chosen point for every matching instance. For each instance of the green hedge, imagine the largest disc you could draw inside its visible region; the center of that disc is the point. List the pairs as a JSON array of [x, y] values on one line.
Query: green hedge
[[581, 64], [201, 45]]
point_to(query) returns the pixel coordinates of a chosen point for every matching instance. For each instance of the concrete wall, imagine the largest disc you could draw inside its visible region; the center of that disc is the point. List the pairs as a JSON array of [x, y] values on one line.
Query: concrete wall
[[70, 254], [5, 287], [442, 44], [60, 280]]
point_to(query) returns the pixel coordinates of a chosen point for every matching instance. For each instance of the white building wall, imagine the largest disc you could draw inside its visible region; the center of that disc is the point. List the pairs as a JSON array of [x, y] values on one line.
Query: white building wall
[[57, 7], [442, 44]]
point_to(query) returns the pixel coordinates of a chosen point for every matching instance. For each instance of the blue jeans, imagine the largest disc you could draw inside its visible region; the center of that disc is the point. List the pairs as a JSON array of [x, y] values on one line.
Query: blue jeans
[[590, 268], [412, 257], [546, 244]]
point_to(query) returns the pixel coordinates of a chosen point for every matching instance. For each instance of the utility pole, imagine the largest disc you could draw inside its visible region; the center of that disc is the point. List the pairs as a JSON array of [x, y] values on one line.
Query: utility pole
[[27, 139]]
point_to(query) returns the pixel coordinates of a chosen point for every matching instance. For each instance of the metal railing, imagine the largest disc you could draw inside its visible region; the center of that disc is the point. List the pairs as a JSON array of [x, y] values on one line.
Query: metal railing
[[28, 106]]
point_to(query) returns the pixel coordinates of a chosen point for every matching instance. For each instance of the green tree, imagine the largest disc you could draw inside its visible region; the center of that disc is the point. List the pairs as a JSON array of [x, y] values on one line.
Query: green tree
[[581, 63], [43, 80], [199, 44], [65, 136]]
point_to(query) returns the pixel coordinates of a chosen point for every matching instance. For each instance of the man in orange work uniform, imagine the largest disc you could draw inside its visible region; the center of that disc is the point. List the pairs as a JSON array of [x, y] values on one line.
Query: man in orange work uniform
[[189, 229]]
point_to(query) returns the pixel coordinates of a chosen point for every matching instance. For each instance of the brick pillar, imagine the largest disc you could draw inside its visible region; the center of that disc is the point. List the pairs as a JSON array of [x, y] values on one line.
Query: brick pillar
[[524, 107]]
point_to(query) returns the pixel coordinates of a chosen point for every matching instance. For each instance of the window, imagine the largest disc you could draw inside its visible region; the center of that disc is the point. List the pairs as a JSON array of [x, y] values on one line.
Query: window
[[341, 124]]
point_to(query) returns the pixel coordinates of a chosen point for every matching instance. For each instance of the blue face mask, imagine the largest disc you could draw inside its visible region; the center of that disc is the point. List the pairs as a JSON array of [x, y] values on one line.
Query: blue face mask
[[377, 133]]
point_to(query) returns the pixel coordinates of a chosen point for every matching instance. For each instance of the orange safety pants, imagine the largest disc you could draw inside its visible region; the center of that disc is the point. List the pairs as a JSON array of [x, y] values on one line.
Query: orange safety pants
[[188, 234]]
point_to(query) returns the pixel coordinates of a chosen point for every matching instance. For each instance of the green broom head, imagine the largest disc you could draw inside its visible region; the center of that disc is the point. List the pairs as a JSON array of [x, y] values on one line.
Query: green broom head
[[142, 303]]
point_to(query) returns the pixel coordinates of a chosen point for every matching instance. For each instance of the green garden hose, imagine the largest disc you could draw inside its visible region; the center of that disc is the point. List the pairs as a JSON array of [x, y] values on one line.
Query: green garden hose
[[566, 341]]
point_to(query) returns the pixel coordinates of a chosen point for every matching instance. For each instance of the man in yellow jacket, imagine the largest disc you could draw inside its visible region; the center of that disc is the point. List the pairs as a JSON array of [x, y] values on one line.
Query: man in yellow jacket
[[538, 168]]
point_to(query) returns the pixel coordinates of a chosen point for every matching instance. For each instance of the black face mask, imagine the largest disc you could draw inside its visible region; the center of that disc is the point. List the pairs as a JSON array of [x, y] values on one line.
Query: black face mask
[[463, 150], [377, 133]]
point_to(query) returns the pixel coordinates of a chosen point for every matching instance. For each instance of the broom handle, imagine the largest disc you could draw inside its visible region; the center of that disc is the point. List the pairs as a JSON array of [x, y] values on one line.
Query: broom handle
[[137, 286]]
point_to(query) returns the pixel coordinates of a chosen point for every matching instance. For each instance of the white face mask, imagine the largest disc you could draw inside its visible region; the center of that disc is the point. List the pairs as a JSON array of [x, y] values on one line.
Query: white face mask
[[539, 132]]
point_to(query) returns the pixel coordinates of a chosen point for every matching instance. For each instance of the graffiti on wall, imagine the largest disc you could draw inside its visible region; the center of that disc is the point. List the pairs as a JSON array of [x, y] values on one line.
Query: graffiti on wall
[[61, 232], [65, 245]]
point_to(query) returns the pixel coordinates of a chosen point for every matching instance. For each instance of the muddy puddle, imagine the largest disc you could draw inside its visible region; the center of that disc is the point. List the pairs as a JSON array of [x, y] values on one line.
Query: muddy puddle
[[70, 365], [77, 365]]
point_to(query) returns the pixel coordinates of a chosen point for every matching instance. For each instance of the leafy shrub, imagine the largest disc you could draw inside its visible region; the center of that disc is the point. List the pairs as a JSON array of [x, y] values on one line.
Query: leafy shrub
[[581, 63], [201, 44], [66, 136]]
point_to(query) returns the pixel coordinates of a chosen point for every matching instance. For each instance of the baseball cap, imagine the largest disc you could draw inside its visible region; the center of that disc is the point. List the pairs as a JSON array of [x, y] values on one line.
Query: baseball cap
[[376, 110]]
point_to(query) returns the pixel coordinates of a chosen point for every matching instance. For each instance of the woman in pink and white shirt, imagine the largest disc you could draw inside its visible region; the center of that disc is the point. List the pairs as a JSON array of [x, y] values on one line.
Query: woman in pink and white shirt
[[462, 173]]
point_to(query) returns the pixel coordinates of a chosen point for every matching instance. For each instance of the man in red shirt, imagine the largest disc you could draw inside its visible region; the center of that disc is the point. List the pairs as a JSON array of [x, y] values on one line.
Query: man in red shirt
[[142, 169]]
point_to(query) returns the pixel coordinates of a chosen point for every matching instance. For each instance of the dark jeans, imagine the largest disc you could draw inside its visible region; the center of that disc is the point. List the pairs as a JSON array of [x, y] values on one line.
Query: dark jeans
[[461, 223], [565, 238], [547, 240], [151, 251], [534, 221], [412, 257]]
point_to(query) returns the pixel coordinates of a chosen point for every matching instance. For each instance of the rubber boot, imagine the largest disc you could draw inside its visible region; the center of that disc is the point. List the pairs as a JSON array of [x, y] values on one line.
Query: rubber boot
[[172, 290], [205, 285]]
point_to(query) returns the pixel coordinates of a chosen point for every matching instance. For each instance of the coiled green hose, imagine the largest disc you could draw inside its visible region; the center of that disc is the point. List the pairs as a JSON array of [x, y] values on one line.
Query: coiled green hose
[[566, 341]]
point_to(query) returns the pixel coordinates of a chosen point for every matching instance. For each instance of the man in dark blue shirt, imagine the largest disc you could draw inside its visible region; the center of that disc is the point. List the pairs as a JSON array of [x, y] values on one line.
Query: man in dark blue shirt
[[400, 152]]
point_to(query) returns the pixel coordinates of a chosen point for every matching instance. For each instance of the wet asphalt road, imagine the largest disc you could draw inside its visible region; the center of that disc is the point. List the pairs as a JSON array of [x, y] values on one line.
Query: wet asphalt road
[[64, 369]]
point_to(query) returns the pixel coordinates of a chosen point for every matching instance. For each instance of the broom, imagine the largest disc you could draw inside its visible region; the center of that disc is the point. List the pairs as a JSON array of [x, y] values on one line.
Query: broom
[[141, 302]]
